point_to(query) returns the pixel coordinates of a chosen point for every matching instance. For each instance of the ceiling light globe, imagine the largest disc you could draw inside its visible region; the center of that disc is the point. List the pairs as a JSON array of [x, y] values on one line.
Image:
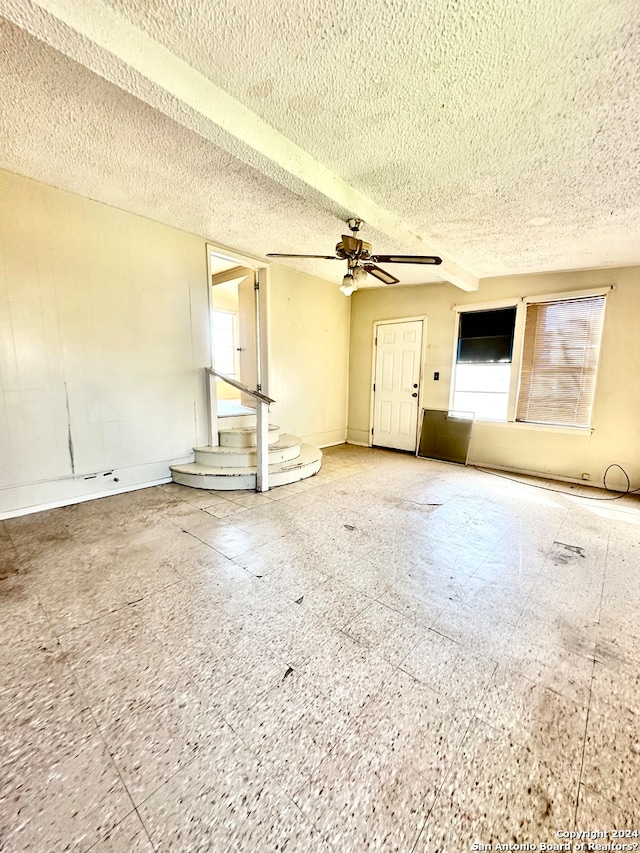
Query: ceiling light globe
[[348, 285], [347, 289], [359, 275]]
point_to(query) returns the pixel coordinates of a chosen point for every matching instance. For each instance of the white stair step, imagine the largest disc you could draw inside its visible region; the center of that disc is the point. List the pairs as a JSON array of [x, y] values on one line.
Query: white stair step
[[245, 436], [306, 465], [237, 420], [285, 449], [200, 476]]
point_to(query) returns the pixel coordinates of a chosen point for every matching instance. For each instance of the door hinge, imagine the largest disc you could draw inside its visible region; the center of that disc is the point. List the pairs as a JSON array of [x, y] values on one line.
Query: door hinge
[[371, 430], [374, 386]]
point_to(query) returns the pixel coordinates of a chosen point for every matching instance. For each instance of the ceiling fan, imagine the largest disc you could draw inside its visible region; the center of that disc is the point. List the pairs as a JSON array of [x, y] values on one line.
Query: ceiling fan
[[361, 262]]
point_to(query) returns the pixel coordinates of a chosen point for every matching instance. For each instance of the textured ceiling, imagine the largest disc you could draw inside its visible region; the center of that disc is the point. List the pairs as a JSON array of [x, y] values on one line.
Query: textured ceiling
[[503, 135]]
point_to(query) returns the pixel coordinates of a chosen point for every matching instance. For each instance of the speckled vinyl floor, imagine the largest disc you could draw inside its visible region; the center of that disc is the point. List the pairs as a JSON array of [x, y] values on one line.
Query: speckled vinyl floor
[[395, 655]]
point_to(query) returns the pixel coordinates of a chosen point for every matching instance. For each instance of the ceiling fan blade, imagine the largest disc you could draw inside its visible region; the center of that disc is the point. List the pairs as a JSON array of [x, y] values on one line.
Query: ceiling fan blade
[[406, 259], [384, 276], [323, 257]]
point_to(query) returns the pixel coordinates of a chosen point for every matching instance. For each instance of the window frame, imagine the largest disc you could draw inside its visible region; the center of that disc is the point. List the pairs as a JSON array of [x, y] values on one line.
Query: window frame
[[516, 355], [521, 303]]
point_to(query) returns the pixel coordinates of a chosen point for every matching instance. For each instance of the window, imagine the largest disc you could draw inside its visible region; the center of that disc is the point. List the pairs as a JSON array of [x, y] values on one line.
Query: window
[[224, 337], [559, 361], [548, 346], [483, 363]]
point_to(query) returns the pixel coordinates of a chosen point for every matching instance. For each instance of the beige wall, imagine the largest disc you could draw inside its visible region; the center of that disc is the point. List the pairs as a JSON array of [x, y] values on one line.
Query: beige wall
[[615, 436], [308, 356], [103, 334]]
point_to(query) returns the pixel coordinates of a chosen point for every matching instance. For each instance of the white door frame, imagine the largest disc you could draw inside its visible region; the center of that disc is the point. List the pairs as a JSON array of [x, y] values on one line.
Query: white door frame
[[262, 308], [374, 337]]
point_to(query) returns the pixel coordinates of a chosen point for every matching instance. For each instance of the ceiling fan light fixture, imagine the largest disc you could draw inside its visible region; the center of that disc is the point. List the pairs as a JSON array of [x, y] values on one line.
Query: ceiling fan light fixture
[[348, 285], [359, 275]]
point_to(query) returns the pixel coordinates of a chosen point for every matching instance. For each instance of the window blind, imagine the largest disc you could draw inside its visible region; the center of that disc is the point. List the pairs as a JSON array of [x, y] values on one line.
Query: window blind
[[559, 361]]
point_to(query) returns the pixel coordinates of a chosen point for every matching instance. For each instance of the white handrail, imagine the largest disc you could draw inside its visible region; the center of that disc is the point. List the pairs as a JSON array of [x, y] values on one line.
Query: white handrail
[[257, 394], [262, 422]]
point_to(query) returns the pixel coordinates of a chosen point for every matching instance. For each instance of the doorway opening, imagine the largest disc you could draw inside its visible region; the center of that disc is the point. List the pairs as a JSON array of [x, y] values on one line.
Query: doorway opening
[[236, 315]]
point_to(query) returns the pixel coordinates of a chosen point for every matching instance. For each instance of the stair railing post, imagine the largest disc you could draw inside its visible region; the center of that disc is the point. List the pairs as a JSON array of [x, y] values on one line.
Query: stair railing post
[[262, 446], [262, 422]]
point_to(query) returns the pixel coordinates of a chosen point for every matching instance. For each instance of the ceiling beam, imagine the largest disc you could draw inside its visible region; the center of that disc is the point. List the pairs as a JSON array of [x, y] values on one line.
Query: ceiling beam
[[237, 129]]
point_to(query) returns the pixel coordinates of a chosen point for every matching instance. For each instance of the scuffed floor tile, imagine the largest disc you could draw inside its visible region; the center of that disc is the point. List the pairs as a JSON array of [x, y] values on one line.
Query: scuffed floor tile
[[394, 655]]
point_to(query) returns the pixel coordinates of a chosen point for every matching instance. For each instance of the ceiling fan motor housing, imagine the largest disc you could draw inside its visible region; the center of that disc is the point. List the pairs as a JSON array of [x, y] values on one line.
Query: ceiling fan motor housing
[[351, 247]]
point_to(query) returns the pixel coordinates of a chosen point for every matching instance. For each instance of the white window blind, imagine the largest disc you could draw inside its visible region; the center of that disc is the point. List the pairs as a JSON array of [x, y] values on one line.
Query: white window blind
[[559, 361]]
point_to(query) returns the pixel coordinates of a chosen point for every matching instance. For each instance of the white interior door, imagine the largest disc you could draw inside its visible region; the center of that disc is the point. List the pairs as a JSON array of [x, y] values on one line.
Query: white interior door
[[396, 384]]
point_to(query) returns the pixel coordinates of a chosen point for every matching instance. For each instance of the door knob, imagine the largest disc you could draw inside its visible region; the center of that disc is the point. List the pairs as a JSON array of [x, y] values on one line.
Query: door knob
[[414, 394], [415, 385]]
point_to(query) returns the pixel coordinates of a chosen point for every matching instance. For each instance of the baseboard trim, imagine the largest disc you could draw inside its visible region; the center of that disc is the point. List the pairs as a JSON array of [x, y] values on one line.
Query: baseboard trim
[[77, 499], [540, 475]]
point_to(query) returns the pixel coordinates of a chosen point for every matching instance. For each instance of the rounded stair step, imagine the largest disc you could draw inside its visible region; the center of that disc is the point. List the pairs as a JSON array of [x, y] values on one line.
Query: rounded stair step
[[199, 476], [246, 436], [285, 449]]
